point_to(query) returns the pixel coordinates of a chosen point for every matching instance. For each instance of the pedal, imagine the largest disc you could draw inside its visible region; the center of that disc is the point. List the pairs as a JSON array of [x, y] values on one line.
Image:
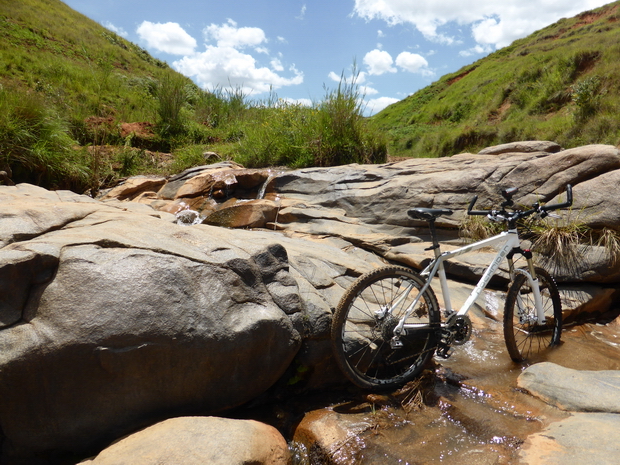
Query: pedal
[[444, 352]]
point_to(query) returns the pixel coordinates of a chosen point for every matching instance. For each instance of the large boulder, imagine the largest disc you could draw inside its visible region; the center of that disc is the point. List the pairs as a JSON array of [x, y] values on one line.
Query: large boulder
[[113, 318], [381, 194], [590, 437], [581, 438]]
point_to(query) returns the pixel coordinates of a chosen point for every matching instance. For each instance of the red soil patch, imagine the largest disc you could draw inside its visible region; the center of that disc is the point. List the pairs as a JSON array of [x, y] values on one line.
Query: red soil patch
[[143, 130], [460, 76]]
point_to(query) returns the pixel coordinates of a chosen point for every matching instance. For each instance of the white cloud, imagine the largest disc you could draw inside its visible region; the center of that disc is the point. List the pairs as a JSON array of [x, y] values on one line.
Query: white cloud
[[227, 65], [229, 35], [412, 62], [167, 37], [367, 90], [302, 13], [476, 50], [119, 30], [360, 77], [333, 76], [375, 105], [491, 22], [276, 64], [379, 62]]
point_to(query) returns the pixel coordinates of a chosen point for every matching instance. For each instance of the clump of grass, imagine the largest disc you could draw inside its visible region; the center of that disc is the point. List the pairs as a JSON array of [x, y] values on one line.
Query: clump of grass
[[587, 97], [609, 239], [562, 244], [343, 135], [282, 135], [171, 97], [476, 228]]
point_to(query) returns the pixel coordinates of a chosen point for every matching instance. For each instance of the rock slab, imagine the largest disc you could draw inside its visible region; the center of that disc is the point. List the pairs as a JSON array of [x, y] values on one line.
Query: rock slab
[[582, 438], [199, 441], [573, 390]]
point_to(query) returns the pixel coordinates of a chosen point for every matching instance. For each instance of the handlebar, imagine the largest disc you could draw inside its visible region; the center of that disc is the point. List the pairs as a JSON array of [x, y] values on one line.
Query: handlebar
[[475, 212], [568, 203], [512, 217]]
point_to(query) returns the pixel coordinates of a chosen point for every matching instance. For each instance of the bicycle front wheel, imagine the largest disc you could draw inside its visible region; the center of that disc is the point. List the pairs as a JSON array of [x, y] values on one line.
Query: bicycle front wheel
[[363, 327], [524, 336]]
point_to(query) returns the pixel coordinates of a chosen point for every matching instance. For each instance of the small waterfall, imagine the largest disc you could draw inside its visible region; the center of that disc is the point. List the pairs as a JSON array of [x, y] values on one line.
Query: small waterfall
[[263, 187]]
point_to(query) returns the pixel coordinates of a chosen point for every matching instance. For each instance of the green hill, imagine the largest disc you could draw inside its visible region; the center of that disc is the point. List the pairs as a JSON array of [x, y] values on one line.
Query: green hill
[[65, 82], [560, 84], [81, 107]]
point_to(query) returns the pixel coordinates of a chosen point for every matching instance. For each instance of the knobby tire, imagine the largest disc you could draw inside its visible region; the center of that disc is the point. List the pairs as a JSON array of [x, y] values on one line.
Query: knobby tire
[[361, 334], [524, 337]]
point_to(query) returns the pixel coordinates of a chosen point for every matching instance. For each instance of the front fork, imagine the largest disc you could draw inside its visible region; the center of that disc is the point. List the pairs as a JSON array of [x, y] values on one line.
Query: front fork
[[534, 283]]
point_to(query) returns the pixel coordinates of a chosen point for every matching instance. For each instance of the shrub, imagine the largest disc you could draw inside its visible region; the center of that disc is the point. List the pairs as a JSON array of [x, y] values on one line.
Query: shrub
[[586, 97]]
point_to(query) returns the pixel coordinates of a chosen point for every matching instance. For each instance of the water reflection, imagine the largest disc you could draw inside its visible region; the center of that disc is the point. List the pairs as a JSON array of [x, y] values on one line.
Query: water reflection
[[472, 410]]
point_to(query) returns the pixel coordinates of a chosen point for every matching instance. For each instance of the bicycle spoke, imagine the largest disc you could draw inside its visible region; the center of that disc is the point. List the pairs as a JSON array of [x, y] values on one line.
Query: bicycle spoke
[[524, 335], [364, 325]]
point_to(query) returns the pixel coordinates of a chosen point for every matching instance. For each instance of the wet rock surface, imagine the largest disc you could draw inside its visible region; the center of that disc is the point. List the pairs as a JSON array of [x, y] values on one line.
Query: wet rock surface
[[115, 316], [572, 390]]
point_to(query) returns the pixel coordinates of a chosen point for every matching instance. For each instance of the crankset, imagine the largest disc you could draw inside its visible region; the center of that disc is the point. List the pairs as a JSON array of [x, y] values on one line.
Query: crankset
[[456, 331]]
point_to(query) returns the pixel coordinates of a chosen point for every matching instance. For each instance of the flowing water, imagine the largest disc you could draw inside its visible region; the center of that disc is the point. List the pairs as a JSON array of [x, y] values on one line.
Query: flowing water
[[473, 411]]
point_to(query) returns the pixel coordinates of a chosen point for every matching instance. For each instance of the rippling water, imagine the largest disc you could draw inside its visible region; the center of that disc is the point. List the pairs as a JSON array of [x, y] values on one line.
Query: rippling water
[[474, 412]]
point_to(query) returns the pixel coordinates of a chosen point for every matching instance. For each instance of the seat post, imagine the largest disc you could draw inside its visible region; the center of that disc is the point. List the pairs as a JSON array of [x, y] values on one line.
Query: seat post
[[434, 238]]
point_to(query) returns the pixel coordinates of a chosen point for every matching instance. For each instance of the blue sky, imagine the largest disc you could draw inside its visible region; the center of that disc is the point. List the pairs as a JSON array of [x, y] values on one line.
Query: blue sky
[[299, 47]]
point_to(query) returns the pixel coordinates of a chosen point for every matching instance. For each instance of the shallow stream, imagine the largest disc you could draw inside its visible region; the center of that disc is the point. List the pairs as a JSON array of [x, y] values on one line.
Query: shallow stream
[[472, 412]]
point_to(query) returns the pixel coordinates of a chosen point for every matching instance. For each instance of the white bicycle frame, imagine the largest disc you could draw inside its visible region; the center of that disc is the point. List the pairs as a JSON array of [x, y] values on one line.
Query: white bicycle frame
[[505, 242]]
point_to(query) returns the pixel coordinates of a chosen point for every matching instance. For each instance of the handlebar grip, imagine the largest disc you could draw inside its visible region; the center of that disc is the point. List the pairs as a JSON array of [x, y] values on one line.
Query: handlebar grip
[[568, 203], [475, 212]]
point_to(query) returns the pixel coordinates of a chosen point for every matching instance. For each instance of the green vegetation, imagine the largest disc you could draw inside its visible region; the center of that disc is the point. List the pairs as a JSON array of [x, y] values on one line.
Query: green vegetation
[[558, 84], [332, 132], [559, 243], [82, 107]]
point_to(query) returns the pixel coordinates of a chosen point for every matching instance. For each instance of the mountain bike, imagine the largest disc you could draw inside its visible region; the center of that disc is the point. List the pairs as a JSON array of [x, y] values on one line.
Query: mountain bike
[[388, 325]]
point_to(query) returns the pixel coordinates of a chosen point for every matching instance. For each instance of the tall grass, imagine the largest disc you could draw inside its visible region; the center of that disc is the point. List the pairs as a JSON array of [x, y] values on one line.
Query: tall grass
[[331, 132], [343, 134], [35, 144]]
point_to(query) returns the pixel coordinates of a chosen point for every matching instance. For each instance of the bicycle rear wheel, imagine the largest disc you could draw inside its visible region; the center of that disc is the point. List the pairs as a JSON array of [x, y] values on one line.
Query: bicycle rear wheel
[[364, 322], [524, 336]]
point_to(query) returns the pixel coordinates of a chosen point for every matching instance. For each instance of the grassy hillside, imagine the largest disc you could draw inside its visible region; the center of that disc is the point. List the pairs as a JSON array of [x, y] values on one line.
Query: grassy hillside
[[81, 107], [560, 84], [77, 65], [63, 79]]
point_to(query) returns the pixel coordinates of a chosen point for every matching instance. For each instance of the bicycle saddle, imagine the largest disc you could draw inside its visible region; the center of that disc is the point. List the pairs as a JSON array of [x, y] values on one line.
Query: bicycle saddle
[[428, 214]]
